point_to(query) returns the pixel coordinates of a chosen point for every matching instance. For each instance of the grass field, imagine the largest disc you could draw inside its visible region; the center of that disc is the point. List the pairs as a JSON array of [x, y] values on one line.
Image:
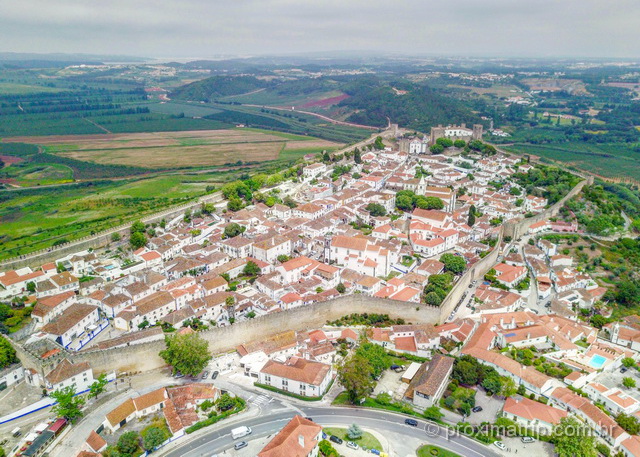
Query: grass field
[[430, 450], [7, 88], [32, 219], [608, 160], [367, 440], [170, 150]]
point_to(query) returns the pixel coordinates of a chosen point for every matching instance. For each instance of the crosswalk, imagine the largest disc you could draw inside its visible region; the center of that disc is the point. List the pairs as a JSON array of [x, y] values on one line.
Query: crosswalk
[[261, 400]]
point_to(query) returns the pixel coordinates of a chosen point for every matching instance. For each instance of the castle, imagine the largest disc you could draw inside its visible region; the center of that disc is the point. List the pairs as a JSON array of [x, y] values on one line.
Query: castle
[[456, 132]]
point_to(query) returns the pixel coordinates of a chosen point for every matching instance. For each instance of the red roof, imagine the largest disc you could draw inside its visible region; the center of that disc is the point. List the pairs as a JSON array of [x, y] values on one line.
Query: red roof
[[57, 425]]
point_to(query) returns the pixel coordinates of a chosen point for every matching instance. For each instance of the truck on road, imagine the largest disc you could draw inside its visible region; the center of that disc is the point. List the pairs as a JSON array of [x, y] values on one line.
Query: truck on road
[[239, 432]]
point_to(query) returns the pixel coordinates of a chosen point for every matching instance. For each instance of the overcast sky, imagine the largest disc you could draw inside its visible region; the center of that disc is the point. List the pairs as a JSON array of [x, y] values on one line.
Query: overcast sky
[[205, 28]]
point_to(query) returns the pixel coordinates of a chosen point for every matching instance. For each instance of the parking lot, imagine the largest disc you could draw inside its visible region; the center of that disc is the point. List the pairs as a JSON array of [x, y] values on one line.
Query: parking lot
[[391, 382], [491, 408]]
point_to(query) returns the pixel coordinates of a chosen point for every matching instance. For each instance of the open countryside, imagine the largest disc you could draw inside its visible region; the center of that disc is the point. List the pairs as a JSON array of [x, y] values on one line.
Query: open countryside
[[167, 150]]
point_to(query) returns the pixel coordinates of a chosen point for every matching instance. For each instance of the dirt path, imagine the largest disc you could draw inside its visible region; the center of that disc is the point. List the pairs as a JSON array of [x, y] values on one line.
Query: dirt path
[[325, 118], [97, 125]]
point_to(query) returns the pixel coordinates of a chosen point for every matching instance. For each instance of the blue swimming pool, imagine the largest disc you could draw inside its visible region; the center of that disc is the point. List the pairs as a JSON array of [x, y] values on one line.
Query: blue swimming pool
[[597, 361]]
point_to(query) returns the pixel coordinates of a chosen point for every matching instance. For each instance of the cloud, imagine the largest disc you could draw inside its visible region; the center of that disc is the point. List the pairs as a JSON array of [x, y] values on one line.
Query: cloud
[[204, 28]]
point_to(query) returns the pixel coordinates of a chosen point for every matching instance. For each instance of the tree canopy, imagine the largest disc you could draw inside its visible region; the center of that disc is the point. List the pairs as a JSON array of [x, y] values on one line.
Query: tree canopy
[[186, 353]]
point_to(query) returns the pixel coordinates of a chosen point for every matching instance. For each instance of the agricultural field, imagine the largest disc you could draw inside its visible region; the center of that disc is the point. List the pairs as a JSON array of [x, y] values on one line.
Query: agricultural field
[[31, 219], [312, 101], [177, 150], [615, 160]]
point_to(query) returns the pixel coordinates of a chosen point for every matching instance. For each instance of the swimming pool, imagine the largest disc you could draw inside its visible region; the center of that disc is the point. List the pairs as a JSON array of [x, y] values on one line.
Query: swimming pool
[[597, 361]]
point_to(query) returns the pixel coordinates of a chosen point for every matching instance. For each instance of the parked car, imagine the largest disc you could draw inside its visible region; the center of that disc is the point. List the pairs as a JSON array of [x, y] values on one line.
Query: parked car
[[412, 422], [477, 409], [527, 439], [500, 445], [352, 445], [335, 439], [205, 375], [240, 445], [178, 375], [623, 370], [215, 374], [309, 419]]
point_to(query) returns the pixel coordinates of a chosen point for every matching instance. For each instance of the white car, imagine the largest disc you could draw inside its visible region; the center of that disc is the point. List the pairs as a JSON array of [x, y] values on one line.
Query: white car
[[527, 439], [352, 445], [500, 445]]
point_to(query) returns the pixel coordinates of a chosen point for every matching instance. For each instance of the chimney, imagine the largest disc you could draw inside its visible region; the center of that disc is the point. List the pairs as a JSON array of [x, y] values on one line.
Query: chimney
[[301, 441]]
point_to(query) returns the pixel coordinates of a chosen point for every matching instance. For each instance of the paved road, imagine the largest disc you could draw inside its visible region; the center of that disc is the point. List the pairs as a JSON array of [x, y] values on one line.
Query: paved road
[[219, 440]]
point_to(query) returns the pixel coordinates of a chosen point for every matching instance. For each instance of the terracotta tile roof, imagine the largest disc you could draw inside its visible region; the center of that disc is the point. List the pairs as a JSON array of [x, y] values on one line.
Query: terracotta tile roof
[[533, 410], [121, 412], [152, 398], [66, 370], [431, 376], [96, 442], [45, 305], [69, 317], [297, 439], [298, 369]]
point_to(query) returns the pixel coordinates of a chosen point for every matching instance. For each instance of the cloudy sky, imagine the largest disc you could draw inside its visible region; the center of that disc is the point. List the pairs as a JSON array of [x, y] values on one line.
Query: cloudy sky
[[206, 28]]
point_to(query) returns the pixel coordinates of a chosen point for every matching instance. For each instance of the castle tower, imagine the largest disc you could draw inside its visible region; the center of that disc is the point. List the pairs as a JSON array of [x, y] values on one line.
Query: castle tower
[[477, 132]]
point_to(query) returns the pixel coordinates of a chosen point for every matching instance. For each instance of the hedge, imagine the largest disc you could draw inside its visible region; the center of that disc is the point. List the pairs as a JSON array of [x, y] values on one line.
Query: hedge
[[215, 419], [288, 394]]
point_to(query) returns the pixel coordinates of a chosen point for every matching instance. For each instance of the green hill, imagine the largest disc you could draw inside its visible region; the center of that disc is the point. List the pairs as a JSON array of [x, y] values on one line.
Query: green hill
[[217, 87]]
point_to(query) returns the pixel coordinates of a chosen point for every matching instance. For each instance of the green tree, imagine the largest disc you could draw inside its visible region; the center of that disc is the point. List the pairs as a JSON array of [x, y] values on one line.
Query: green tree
[[628, 362], [7, 353], [98, 386], [432, 299], [354, 432], [629, 423], [186, 353], [341, 288], [376, 209], [355, 376], [436, 149], [445, 142], [509, 388], [235, 204], [453, 263], [492, 384], [115, 237], [572, 438], [138, 226], [357, 156], [472, 216], [31, 287], [128, 443], [232, 230], [428, 202], [153, 437], [433, 413], [378, 358], [68, 405], [378, 144], [465, 372], [225, 402], [251, 269], [628, 382], [404, 203], [459, 143], [290, 202], [138, 240]]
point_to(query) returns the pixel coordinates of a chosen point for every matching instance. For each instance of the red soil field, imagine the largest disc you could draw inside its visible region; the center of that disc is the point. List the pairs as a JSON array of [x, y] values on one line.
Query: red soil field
[[326, 101]]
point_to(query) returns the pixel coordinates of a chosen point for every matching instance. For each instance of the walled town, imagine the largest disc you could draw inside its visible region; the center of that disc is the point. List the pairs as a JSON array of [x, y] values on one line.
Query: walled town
[[443, 225]]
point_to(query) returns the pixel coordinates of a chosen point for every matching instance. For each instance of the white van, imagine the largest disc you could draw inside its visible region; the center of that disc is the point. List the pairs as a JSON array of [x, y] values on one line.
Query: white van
[[240, 432]]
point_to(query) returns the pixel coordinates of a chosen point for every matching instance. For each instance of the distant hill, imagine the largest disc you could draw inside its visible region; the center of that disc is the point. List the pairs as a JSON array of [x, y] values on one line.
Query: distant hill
[[371, 99], [415, 106], [218, 86]]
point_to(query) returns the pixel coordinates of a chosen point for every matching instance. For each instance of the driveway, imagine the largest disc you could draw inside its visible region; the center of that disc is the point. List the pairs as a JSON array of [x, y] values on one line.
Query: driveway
[[491, 408]]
